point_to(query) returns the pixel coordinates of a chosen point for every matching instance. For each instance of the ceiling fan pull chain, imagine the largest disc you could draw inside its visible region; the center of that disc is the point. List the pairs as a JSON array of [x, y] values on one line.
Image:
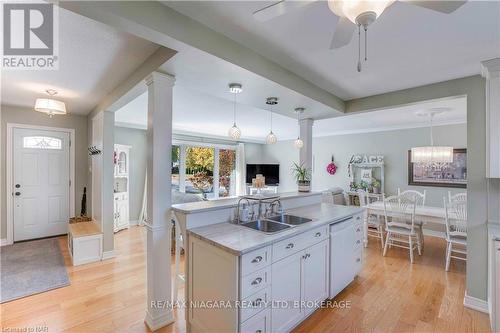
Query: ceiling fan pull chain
[[359, 47], [366, 44]]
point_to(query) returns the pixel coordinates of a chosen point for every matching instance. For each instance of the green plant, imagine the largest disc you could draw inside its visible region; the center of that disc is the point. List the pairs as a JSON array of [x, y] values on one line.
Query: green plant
[[364, 185], [301, 173], [375, 183]]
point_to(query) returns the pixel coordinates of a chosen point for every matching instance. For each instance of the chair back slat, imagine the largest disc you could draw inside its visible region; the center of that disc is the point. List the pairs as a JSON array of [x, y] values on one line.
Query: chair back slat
[[419, 197], [457, 197]]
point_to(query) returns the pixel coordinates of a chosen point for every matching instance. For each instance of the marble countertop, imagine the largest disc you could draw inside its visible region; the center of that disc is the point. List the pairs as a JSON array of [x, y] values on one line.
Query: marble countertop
[[238, 239], [202, 206]]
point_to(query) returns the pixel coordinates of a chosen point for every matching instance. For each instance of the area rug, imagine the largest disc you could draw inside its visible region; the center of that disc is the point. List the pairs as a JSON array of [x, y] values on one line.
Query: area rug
[[32, 267]]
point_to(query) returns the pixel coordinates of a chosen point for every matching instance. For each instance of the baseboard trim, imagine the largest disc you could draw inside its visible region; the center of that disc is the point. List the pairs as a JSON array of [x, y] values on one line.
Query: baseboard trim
[[163, 320], [434, 233], [134, 222], [476, 304], [4, 242], [108, 255]]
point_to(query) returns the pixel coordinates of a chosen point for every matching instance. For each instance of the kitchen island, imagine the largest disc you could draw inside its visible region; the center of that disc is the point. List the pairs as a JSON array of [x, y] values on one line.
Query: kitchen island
[[244, 280]]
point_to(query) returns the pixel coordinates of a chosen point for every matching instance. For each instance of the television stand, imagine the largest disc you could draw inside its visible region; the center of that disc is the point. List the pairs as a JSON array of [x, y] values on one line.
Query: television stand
[[266, 189]]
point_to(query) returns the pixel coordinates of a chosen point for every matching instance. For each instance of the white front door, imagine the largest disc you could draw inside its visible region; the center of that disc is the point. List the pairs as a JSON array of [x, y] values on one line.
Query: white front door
[[40, 174]]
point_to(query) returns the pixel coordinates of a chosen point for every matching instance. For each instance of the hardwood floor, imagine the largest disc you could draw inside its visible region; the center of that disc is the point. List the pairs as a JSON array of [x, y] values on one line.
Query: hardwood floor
[[391, 295]]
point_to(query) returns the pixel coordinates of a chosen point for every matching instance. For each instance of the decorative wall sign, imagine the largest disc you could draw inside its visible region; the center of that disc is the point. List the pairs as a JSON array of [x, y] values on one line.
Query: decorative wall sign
[[448, 175]]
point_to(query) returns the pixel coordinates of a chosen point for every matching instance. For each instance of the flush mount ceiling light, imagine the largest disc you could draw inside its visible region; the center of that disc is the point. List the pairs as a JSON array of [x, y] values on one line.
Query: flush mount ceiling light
[[298, 143], [234, 132], [432, 155], [271, 137], [50, 106]]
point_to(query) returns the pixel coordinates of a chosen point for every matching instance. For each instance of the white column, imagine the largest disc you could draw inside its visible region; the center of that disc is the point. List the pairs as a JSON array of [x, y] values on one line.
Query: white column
[[491, 71], [159, 136], [182, 169], [305, 156]]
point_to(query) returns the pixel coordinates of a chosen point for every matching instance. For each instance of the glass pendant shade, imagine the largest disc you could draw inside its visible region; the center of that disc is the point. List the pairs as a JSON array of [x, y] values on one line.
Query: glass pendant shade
[[271, 138], [351, 9], [298, 143], [432, 154], [234, 132]]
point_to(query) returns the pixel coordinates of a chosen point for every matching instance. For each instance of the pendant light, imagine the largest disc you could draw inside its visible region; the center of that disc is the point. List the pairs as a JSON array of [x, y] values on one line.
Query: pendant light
[[432, 155], [271, 137], [234, 132], [49, 105], [298, 143]]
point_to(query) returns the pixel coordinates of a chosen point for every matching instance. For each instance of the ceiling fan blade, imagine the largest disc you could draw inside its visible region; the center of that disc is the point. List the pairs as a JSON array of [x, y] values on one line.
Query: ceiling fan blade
[[279, 8], [439, 6], [343, 33]]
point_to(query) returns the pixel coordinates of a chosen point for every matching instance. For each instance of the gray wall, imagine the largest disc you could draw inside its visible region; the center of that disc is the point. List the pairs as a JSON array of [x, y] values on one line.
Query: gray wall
[[136, 138], [394, 145], [20, 115]]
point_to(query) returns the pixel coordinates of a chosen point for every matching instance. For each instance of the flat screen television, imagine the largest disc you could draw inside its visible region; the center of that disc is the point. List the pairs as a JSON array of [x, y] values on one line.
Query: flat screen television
[[270, 171]]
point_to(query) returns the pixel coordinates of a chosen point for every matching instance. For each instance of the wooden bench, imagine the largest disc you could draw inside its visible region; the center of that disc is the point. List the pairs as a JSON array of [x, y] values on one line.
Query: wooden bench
[[85, 242]]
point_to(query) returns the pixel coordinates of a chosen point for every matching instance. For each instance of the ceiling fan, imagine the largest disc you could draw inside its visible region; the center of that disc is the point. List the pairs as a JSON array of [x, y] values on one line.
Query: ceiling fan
[[353, 14]]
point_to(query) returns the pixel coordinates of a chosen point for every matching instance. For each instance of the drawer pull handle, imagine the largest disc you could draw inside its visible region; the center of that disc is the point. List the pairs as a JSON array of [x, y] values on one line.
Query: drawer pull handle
[[257, 260], [358, 241], [358, 230], [318, 234], [257, 302], [358, 217], [358, 260], [256, 281], [307, 255], [290, 246], [258, 331]]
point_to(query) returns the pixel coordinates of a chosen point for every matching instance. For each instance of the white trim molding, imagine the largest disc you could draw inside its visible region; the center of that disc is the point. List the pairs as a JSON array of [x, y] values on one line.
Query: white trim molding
[[159, 322], [476, 303], [9, 161], [4, 242], [108, 255]]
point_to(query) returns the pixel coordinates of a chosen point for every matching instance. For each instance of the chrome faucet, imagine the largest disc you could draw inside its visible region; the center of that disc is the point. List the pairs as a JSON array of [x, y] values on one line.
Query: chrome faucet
[[272, 206]]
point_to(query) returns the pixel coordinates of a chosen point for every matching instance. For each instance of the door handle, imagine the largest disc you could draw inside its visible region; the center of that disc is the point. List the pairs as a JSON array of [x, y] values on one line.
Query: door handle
[[17, 194], [290, 246], [17, 185]]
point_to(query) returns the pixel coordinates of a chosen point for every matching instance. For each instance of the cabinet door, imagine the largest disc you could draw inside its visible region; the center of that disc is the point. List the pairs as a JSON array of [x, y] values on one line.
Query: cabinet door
[[341, 259], [315, 276], [123, 212], [286, 293], [497, 287]]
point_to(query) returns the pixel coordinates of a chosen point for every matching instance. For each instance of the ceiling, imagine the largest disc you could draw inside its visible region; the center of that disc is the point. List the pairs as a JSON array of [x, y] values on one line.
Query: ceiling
[[206, 115], [408, 46], [94, 59], [197, 70]]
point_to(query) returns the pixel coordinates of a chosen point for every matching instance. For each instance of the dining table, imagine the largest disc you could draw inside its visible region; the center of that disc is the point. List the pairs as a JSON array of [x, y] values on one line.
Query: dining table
[[426, 214]]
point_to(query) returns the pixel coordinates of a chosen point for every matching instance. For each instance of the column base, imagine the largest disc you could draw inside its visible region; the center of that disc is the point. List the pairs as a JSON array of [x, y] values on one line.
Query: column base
[[163, 320]]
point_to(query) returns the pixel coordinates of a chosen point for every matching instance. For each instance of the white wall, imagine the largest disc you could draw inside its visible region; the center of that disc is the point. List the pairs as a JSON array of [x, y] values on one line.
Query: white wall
[[394, 145]]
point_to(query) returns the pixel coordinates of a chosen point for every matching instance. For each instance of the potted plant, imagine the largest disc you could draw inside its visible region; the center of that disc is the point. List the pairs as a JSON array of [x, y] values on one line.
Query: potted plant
[[376, 186], [303, 177]]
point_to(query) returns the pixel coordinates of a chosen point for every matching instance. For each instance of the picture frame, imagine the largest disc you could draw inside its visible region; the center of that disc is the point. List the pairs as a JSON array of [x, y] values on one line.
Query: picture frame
[[452, 175]]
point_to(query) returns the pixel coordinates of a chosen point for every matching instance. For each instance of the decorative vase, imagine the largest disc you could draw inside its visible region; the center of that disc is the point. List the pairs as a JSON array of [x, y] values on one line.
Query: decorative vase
[[304, 185], [376, 190]]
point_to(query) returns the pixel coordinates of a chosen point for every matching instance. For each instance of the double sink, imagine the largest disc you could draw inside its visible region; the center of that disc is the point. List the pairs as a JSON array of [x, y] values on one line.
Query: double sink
[[276, 223]]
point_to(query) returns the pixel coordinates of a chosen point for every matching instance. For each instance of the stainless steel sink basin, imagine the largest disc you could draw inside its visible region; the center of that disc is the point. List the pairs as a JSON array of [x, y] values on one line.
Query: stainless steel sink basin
[[266, 226], [289, 219]]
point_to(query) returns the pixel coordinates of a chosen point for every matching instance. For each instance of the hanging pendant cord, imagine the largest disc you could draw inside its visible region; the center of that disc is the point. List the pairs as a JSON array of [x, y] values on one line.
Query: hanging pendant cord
[[234, 110]]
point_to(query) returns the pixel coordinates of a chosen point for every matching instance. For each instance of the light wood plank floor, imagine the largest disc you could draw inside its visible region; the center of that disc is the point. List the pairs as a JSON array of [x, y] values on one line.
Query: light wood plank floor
[[390, 295]]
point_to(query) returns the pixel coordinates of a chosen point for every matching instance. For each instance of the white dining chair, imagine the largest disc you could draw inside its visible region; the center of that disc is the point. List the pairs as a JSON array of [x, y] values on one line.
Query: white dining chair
[[179, 246], [457, 197], [456, 230], [373, 224], [419, 198], [399, 214]]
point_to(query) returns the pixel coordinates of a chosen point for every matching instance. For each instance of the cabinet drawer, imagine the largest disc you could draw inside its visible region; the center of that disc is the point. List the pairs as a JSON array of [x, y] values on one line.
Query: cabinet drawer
[[358, 261], [255, 260], [292, 245], [254, 304], [260, 323], [358, 218], [358, 235], [255, 281]]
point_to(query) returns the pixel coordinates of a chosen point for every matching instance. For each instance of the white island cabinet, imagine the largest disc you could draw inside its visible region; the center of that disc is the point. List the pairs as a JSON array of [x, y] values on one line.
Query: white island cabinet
[[264, 282]]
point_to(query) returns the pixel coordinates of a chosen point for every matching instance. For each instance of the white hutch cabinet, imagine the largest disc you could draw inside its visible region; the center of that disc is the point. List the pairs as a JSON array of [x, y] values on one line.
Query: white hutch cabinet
[[121, 187]]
